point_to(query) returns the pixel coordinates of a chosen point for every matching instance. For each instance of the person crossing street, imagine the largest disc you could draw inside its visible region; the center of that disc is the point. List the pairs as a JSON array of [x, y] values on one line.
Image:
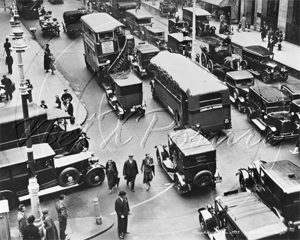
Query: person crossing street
[[130, 170], [148, 168], [122, 209]]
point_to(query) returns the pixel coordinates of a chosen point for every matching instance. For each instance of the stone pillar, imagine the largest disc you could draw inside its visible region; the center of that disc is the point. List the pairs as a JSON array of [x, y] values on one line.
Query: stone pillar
[[97, 211], [282, 15]]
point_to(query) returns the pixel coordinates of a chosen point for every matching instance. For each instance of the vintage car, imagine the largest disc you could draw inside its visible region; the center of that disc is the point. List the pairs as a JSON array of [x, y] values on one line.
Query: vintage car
[[259, 61], [125, 94], [277, 183], [178, 43], [72, 24], [189, 160], [241, 216], [29, 9], [141, 59], [49, 25], [269, 110], [238, 83], [137, 20], [202, 21], [293, 92], [177, 26], [53, 173], [155, 36], [118, 9], [167, 9]]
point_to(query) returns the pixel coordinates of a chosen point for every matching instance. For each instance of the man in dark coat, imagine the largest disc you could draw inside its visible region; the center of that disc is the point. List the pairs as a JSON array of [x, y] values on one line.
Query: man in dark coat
[[46, 62], [62, 216], [30, 231], [7, 46], [122, 210], [130, 170], [66, 96], [7, 86], [9, 62]]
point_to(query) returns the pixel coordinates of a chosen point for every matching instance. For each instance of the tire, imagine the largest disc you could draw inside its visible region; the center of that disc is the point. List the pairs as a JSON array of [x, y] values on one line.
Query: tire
[[239, 107], [203, 224], [154, 96], [11, 197], [199, 33], [266, 77], [236, 95], [242, 183], [210, 65], [69, 177], [142, 111], [285, 77], [178, 186], [249, 113], [203, 60], [120, 116], [177, 118], [80, 145], [87, 64], [202, 178], [244, 65], [95, 177], [159, 158]]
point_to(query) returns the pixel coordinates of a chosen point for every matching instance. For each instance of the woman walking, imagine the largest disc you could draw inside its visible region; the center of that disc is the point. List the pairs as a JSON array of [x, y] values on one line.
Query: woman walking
[[52, 60], [148, 168], [46, 62], [112, 175]]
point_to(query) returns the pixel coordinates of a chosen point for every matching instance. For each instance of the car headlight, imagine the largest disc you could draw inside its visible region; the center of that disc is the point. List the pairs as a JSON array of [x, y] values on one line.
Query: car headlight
[[272, 70]]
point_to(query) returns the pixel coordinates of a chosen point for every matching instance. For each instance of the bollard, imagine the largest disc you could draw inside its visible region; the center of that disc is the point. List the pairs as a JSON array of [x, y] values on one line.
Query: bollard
[[97, 211]]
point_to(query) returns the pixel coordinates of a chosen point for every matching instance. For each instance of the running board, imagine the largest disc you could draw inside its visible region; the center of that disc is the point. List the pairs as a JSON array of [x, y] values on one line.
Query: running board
[[47, 191], [259, 124]]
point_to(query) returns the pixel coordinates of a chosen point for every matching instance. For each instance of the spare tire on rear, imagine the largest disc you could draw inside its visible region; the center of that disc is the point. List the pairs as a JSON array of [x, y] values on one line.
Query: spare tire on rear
[[203, 178]]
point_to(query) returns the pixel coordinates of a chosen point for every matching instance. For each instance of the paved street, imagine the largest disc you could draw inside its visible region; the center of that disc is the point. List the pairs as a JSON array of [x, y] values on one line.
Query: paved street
[[160, 213]]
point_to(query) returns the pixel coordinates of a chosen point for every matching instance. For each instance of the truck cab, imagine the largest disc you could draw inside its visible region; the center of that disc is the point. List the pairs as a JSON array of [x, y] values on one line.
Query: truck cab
[[179, 43]]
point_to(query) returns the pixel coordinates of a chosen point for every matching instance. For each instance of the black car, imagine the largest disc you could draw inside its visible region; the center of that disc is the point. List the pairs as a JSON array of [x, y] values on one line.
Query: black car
[[179, 43], [238, 83], [259, 61], [293, 92], [269, 110], [177, 25]]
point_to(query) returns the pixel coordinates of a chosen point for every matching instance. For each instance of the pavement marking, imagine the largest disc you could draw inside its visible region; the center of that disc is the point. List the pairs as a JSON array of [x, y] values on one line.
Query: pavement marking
[[150, 199]]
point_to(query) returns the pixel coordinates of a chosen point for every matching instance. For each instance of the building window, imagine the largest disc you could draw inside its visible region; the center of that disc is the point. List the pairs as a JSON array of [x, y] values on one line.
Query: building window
[[296, 14], [273, 7]]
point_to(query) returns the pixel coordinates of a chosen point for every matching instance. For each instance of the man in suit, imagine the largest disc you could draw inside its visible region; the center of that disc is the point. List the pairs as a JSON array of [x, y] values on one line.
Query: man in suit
[[31, 231], [62, 216], [130, 170], [22, 218], [122, 210], [7, 86]]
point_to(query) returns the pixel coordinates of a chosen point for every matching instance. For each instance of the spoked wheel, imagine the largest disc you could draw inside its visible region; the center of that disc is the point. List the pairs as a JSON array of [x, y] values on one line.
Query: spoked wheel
[[203, 224], [203, 60], [210, 65], [239, 107], [178, 186], [81, 145], [266, 77], [242, 183], [69, 177], [95, 177], [249, 116]]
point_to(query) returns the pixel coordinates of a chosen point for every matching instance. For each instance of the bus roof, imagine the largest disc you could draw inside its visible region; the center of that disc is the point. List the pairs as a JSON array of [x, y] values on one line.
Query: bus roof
[[285, 173], [139, 14], [124, 79], [191, 142], [199, 11], [187, 74], [100, 22], [252, 217], [19, 155], [179, 37]]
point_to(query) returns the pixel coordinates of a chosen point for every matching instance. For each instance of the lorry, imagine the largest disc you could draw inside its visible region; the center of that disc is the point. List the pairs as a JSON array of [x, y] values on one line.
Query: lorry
[[119, 7], [29, 8]]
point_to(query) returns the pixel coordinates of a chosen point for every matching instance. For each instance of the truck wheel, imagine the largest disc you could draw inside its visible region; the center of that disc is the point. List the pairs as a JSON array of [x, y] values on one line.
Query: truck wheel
[[249, 116], [203, 60], [285, 76], [210, 65], [95, 177], [201, 179], [266, 77], [203, 225], [80, 145], [178, 186], [240, 107], [236, 95], [69, 177], [11, 197], [242, 183], [244, 65]]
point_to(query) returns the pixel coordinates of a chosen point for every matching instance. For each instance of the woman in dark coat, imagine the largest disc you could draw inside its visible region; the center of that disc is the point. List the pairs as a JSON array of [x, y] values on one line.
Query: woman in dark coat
[[147, 168], [111, 174], [49, 230], [46, 62]]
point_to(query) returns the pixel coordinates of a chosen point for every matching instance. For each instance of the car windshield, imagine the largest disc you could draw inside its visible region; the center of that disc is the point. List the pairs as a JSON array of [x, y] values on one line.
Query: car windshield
[[144, 21], [246, 82], [132, 89], [271, 109]]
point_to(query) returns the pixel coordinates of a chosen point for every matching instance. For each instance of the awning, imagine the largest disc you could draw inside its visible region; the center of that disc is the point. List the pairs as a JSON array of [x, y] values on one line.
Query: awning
[[220, 3]]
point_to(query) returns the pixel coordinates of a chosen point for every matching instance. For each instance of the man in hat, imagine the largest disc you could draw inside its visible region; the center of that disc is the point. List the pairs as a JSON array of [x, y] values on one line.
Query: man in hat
[[8, 87], [148, 168], [130, 170], [122, 210], [31, 231], [62, 216], [66, 96], [22, 218]]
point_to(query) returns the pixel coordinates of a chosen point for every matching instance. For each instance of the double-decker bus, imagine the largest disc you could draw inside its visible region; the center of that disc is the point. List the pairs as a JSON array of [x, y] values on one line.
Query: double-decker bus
[[195, 97]]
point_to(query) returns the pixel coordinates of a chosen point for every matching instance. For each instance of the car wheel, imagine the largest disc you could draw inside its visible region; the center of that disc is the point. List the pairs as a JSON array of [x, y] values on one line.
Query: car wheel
[[177, 118], [203, 224], [11, 197], [242, 183], [95, 177], [87, 64], [210, 65], [178, 186], [203, 60], [202, 178], [79, 146], [249, 116], [159, 158], [154, 96], [120, 115], [266, 77], [235, 95], [285, 76], [69, 177], [240, 107], [270, 137], [244, 65]]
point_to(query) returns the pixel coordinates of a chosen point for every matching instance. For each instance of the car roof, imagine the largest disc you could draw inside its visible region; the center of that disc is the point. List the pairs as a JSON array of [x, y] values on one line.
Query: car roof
[[126, 4], [147, 48], [199, 11], [19, 155], [187, 74], [270, 94], [178, 21], [258, 50], [253, 218], [294, 88], [124, 79], [74, 14], [154, 30], [240, 75], [139, 14], [191, 142], [100, 22], [179, 37], [285, 173]]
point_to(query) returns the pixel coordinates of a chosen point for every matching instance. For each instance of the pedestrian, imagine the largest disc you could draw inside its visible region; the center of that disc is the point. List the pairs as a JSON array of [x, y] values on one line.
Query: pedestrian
[[43, 104], [263, 31], [7, 47], [47, 49], [130, 170], [62, 216], [112, 175], [49, 229], [22, 219], [66, 96], [43, 11], [52, 65], [270, 33], [148, 168], [271, 44], [57, 102], [9, 62], [46, 62], [122, 209], [29, 90], [69, 108], [8, 87], [280, 39], [30, 231], [222, 21], [243, 22], [228, 19]]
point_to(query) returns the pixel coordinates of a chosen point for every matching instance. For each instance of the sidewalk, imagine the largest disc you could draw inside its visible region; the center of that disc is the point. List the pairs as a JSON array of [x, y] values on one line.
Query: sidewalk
[[45, 85], [289, 55]]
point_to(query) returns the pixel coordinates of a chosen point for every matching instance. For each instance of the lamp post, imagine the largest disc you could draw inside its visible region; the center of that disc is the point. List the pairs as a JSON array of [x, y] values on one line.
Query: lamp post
[[193, 54]]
